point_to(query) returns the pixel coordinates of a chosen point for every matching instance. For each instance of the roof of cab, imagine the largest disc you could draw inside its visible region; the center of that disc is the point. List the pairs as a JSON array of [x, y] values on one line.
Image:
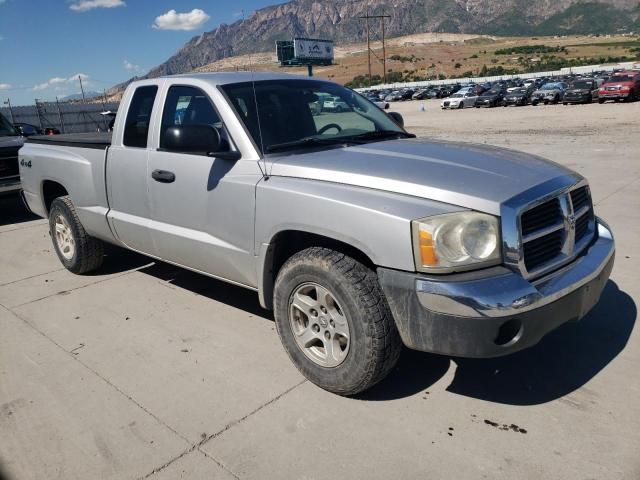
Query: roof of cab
[[225, 78]]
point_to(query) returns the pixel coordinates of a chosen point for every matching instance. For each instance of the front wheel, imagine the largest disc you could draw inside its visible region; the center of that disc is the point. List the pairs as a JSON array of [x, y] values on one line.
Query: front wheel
[[334, 322], [78, 252]]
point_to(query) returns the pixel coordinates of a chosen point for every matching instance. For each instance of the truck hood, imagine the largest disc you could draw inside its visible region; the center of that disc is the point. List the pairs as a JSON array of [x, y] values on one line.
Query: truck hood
[[11, 142], [477, 177]]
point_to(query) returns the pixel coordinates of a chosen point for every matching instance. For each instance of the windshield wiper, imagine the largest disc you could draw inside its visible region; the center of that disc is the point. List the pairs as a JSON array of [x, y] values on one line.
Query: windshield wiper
[[380, 134], [307, 141]]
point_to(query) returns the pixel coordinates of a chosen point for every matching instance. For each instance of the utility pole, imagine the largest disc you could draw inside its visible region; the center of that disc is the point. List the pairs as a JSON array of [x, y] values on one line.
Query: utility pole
[[39, 112], [368, 45], [8, 102], [84, 100], [384, 49], [383, 19], [60, 115]]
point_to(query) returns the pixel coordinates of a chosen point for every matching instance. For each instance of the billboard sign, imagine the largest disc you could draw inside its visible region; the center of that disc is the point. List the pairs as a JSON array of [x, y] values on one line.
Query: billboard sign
[[313, 49]]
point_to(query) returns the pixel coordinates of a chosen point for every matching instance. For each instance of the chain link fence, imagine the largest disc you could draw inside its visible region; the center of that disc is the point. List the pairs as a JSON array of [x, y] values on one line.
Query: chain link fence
[[68, 117]]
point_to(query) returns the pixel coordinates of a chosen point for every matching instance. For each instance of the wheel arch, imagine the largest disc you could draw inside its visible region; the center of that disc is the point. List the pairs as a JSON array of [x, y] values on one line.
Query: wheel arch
[[51, 189], [286, 243]]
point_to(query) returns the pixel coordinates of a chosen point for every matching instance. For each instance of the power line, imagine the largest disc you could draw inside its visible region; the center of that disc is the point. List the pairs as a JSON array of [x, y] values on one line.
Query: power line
[[382, 19]]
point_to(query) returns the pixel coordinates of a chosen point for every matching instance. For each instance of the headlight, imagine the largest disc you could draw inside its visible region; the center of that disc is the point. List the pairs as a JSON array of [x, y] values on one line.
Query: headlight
[[456, 242]]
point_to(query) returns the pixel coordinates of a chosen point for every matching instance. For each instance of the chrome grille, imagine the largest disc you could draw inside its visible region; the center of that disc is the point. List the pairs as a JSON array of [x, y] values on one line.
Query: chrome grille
[[556, 231], [9, 162], [542, 216]]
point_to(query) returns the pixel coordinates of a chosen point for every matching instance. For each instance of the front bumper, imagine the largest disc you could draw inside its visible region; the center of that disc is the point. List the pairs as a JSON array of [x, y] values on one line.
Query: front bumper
[[615, 95], [577, 98], [477, 315], [10, 185]]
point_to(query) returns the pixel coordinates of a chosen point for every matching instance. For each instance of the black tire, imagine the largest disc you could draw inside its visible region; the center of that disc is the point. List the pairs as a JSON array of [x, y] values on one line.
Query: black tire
[[601, 101], [374, 344], [88, 251], [564, 103], [460, 105]]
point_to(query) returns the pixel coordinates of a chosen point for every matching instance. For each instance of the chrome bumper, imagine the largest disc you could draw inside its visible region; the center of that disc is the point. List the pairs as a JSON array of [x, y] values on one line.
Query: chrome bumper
[[470, 314], [510, 294]]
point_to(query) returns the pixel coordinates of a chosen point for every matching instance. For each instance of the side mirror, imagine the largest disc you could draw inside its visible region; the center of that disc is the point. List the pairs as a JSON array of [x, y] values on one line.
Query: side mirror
[[191, 139], [396, 117]]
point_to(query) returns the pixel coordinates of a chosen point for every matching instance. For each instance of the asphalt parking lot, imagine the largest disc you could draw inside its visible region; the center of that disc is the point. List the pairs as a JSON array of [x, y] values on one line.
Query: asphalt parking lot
[[144, 370]]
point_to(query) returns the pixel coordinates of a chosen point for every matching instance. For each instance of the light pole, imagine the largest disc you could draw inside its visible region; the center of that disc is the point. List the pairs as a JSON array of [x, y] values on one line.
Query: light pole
[[8, 102]]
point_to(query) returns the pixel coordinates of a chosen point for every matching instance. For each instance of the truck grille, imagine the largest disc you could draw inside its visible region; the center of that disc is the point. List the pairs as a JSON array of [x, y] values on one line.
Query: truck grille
[[554, 232], [9, 162]]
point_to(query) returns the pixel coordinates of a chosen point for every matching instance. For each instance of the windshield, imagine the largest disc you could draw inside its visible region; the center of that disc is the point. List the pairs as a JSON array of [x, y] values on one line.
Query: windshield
[[457, 95], [6, 129], [519, 90], [309, 112], [582, 85], [550, 86], [621, 78]]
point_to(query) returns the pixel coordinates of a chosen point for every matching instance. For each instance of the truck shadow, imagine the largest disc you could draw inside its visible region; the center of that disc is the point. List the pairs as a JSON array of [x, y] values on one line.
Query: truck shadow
[[562, 362], [12, 211], [211, 288]]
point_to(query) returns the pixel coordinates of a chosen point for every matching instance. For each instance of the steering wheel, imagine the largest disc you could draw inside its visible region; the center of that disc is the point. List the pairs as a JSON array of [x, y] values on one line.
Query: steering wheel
[[329, 126]]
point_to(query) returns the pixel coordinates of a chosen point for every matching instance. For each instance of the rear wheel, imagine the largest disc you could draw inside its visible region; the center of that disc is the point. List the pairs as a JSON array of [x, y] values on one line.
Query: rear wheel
[[334, 322], [601, 101], [78, 252]]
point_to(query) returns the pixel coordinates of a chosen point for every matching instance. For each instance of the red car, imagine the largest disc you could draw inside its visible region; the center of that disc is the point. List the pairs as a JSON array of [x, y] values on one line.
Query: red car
[[621, 86]]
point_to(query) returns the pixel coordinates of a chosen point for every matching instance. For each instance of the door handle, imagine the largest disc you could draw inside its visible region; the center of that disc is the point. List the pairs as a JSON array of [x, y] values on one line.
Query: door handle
[[163, 176]]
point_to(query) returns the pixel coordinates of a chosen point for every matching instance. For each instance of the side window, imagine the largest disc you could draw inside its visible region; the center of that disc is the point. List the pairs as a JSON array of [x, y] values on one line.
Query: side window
[[136, 128], [191, 107]]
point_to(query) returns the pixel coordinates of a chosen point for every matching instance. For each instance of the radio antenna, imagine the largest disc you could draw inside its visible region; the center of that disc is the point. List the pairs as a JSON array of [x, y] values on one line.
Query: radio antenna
[[255, 100]]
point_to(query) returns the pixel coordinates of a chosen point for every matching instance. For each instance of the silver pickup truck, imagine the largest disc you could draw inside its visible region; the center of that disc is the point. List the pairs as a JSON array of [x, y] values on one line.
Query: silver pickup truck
[[358, 235], [10, 143]]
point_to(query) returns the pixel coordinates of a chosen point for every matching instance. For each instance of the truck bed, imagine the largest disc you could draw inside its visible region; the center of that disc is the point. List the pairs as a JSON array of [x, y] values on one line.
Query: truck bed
[[98, 141]]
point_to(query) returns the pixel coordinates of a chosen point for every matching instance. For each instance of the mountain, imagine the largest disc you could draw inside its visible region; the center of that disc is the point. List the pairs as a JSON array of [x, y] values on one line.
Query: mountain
[[78, 96], [340, 20]]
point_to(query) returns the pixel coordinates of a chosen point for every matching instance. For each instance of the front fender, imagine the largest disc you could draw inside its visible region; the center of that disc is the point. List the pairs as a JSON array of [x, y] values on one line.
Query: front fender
[[375, 222]]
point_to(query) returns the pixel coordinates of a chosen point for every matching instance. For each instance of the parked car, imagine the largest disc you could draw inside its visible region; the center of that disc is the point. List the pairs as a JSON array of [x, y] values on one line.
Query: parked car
[[582, 90], [463, 98], [620, 86], [334, 104], [10, 143], [359, 236], [393, 97], [552, 92], [27, 130], [379, 103], [406, 94], [421, 94], [492, 97], [519, 96]]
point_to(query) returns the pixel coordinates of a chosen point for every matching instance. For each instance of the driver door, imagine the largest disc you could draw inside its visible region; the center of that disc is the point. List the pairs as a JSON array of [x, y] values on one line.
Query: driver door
[[202, 207]]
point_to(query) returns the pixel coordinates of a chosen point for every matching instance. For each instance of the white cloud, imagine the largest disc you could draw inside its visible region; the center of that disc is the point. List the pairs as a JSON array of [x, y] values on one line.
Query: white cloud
[[86, 5], [4, 86], [60, 82], [173, 20], [132, 67]]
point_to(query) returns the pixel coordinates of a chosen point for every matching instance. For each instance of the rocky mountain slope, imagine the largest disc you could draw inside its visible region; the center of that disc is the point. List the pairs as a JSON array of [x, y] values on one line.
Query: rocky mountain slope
[[339, 20]]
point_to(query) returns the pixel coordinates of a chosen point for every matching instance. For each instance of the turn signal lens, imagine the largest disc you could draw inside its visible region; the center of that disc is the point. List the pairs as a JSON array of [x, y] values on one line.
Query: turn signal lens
[[427, 251]]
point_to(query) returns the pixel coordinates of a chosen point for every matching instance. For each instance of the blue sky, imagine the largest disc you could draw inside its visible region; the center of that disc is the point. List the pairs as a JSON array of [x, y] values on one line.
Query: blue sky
[[45, 44]]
